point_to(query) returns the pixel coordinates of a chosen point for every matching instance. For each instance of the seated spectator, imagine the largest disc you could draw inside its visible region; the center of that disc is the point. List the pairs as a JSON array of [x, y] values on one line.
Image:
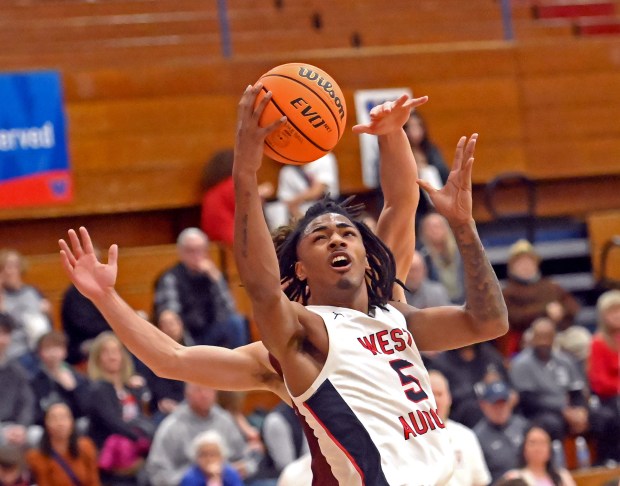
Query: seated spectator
[[464, 368], [470, 468], [421, 292], [55, 380], [210, 463], [529, 296], [442, 256], [12, 467], [536, 462], [166, 394], [284, 439], [297, 473], [430, 162], [82, 322], [24, 303], [117, 425], [17, 402], [62, 458], [550, 387], [500, 431], [196, 290], [171, 454], [299, 186], [218, 200], [604, 372]]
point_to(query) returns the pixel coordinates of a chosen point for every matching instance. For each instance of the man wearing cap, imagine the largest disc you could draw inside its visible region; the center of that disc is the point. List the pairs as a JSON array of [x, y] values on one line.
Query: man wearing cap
[[500, 432], [529, 296]]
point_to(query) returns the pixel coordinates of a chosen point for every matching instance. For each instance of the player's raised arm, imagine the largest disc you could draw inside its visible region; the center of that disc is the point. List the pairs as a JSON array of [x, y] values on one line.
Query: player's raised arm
[[254, 251], [484, 314], [244, 368], [398, 175]]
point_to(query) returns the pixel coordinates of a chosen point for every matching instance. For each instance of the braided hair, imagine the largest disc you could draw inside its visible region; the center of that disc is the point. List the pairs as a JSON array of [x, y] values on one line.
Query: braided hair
[[379, 277]]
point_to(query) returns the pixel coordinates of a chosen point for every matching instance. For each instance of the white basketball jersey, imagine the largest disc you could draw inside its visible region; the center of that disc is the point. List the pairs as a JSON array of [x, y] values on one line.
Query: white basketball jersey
[[371, 407]]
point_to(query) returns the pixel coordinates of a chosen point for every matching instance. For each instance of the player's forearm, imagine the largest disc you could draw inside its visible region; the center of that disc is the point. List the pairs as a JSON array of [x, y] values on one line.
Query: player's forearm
[[150, 345], [485, 301], [255, 254]]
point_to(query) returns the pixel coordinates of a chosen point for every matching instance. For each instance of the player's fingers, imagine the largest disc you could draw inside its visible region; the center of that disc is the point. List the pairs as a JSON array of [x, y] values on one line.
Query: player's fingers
[[428, 188], [413, 102], [258, 111], [64, 248], [458, 154], [468, 169], [87, 243], [75, 244], [470, 147], [361, 129], [66, 264], [113, 255], [273, 126]]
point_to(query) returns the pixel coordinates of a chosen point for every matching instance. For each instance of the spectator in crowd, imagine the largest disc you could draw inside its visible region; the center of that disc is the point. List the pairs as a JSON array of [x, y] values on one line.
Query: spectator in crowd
[[55, 380], [529, 296], [470, 468], [421, 292], [17, 402], [171, 453], [218, 200], [82, 322], [430, 162], [13, 471], [284, 439], [536, 465], [166, 394], [297, 473], [604, 371], [500, 431], [463, 368], [117, 424], [196, 290], [210, 463], [24, 303], [299, 186], [550, 387], [442, 257], [62, 458]]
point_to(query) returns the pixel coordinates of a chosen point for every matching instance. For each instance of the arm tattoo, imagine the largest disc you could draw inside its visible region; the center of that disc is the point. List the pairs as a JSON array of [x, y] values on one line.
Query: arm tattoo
[[484, 295]]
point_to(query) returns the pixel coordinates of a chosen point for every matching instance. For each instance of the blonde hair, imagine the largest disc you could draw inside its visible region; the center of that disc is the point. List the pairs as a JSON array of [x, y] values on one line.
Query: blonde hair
[[606, 301], [209, 437], [94, 367], [7, 253]]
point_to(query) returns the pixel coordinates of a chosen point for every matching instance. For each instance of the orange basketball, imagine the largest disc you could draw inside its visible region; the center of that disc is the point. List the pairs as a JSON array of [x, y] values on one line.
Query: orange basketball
[[315, 110]]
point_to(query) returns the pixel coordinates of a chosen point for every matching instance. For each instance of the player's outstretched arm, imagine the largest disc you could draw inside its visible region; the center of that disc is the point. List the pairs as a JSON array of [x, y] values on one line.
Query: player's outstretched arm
[[484, 315], [398, 174], [254, 251], [244, 368]]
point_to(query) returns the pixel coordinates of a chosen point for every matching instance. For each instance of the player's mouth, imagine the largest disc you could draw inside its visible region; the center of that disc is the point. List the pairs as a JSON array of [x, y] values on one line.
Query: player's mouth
[[340, 261]]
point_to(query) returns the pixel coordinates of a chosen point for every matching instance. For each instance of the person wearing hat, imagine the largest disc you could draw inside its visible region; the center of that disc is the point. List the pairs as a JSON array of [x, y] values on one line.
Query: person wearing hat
[[529, 295], [500, 432], [17, 400]]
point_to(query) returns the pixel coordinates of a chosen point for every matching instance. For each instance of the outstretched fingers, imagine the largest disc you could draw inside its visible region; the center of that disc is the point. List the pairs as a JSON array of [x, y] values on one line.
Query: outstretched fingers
[[470, 147], [458, 154], [66, 253], [76, 245], [87, 243], [113, 255], [415, 102]]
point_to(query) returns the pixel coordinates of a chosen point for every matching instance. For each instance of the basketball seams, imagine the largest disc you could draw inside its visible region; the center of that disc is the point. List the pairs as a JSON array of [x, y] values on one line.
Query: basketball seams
[[296, 128], [334, 116]]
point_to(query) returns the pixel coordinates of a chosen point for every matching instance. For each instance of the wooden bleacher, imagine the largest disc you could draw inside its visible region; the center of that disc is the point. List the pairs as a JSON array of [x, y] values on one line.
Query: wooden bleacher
[[596, 476]]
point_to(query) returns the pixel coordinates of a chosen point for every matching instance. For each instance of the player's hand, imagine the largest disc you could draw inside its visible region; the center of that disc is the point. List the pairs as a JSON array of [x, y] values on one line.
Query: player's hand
[[454, 200], [250, 135], [92, 278], [390, 116]]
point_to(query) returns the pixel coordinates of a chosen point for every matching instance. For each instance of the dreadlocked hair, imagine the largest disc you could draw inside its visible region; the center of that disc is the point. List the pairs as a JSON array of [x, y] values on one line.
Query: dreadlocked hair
[[379, 277]]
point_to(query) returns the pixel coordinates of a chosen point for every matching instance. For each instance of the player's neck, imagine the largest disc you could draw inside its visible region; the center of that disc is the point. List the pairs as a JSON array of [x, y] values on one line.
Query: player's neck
[[356, 300]]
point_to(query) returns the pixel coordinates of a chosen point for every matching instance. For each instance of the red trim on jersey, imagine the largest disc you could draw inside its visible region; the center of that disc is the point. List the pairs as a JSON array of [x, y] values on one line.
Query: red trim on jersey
[[338, 444]]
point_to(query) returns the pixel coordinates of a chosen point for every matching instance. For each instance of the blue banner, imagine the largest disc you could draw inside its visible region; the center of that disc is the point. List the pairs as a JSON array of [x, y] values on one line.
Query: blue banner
[[34, 163]]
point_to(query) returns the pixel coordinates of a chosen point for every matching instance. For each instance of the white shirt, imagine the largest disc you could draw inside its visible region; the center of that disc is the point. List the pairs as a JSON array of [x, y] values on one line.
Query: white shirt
[[470, 466]]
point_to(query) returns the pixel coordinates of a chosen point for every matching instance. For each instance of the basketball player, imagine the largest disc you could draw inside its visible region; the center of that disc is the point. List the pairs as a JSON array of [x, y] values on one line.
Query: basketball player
[[346, 352], [248, 367]]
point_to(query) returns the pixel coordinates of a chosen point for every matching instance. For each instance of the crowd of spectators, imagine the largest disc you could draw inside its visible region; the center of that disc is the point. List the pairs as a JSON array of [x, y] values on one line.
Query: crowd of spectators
[[77, 408]]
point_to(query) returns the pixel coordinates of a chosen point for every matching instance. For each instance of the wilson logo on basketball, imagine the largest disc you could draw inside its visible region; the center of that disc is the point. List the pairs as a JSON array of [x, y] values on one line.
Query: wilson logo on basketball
[[323, 83], [314, 118]]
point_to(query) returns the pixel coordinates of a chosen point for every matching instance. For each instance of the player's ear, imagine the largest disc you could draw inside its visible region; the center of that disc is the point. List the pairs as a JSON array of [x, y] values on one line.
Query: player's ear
[[300, 273], [367, 265]]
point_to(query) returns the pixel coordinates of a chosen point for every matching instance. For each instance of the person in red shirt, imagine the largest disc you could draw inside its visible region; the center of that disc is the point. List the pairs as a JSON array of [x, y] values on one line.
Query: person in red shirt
[[604, 368]]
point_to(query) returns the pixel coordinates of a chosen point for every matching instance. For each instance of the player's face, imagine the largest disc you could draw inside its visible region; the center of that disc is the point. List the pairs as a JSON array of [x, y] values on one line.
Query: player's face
[[331, 253]]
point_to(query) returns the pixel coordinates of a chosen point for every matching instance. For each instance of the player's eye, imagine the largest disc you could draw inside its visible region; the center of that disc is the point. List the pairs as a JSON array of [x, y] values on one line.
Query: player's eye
[[319, 237]]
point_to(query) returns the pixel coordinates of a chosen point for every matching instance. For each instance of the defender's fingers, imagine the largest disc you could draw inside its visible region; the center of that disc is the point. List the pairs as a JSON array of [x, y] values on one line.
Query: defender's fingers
[[75, 243], [68, 254], [113, 255], [66, 264], [470, 147], [428, 188], [86, 241], [361, 128], [413, 102], [458, 154]]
